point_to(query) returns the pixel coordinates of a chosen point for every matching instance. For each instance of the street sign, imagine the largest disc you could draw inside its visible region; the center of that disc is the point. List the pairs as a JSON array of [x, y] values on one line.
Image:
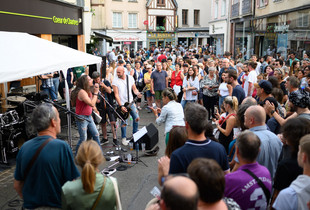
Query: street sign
[[146, 22]]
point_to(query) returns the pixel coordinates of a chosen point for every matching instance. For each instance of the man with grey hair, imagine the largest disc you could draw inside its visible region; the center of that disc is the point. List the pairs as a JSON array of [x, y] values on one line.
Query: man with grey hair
[[225, 66], [271, 146], [38, 179]]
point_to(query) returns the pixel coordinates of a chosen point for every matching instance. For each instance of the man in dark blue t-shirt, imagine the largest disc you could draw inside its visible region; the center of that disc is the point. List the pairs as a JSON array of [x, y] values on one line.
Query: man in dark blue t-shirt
[[196, 119], [54, 166], [237, 90]]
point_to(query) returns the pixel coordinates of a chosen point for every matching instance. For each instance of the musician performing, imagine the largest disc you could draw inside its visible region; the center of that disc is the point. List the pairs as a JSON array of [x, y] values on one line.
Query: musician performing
[[85, 103], [123, 85], [104, 108]]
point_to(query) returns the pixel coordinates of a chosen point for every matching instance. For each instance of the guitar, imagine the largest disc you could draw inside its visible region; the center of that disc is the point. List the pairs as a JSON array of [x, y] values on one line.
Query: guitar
[[127, 105]]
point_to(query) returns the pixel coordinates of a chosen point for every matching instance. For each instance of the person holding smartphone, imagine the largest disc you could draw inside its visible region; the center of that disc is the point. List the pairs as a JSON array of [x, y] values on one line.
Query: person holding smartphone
[[210, 95]]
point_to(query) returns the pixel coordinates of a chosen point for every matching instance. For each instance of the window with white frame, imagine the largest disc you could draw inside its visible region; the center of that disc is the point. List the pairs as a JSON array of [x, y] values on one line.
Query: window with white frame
[[223, 8], [303, 20], [117, 20], [261, 3], [216, 7], [132, 20]]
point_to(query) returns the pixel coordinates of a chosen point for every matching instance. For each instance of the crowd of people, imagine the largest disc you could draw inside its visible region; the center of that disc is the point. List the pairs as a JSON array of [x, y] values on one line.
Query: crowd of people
[[236, 131]]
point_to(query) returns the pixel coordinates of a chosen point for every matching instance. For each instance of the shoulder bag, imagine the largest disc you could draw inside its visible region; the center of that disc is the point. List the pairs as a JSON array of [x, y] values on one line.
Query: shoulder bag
[[216, 131], [260, 183], [100, 194], [118, 199], [34, 158]]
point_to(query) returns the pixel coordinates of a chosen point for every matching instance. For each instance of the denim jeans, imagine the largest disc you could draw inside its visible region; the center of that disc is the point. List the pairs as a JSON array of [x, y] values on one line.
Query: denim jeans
[[56, 84], [221, 100], [184, 102], [134, 115], [50, 91], [83, 125]]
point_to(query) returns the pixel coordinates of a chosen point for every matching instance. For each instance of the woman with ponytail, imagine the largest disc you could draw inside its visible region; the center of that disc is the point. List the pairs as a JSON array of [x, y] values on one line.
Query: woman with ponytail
[[226, 128], [92, 190], [172, 112]]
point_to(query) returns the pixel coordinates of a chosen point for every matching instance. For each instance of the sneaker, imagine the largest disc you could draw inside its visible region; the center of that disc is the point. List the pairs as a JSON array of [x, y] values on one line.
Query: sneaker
[[124, 141], [104, 141], [115, 142], [139, 108]]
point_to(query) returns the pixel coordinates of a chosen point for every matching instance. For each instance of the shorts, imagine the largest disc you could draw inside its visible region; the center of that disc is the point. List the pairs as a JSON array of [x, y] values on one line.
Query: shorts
[[148, 94], [104, 113], [158, 95]]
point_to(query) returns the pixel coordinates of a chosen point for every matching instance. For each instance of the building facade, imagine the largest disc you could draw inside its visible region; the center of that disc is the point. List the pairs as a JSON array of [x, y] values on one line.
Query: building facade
[[55, 21], [219, 26], [242, 34], [281, 26], [161, 22], [123, 21], [193, 23]]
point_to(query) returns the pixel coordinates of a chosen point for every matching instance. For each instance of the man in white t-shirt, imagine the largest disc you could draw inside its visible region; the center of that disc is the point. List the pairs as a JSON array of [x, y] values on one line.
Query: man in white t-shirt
[[250, 79], [257, 68], [122, 95]]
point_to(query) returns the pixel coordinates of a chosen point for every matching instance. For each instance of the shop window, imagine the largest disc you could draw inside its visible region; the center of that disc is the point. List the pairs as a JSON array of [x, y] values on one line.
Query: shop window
[[160, 23], [140, 45], [161, 3], [303, 20], [196, 17], [184, 16], [132, 20], [117, 20], [223, 8]]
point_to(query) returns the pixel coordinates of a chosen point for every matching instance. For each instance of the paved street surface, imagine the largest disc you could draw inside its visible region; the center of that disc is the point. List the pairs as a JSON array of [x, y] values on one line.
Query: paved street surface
[[135, 183]]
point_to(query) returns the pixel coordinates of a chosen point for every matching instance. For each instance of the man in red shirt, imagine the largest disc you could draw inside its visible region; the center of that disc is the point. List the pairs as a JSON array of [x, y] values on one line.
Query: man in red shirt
[[161, 57]]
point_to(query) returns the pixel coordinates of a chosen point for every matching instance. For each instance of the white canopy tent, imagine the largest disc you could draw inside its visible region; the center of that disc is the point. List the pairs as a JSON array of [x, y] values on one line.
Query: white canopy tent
[[23, 55]]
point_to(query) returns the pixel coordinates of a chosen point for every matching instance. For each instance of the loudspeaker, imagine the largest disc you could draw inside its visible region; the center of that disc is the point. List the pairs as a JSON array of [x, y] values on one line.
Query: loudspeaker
[[150, 138]]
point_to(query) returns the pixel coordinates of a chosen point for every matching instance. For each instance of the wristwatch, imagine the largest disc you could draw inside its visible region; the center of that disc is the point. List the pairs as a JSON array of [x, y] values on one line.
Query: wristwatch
[[272, 112]]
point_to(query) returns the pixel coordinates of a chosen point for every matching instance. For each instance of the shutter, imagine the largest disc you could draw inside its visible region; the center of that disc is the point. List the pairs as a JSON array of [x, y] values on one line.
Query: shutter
[[119, 19], [134, 21]]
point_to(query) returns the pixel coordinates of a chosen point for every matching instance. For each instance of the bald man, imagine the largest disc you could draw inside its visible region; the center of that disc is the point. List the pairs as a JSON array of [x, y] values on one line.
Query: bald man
[[122, 95], [179, 193], [270, 149]]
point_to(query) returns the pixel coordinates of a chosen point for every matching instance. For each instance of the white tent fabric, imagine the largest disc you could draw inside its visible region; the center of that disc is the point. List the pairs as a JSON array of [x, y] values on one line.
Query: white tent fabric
[[23, 55]]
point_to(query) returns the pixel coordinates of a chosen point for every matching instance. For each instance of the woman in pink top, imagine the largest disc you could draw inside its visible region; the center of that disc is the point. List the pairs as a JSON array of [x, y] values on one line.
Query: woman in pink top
[[85, 102]]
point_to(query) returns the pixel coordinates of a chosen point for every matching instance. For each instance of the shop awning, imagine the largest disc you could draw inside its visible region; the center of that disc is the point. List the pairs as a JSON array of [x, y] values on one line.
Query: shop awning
[[23, 55], [103, 36]]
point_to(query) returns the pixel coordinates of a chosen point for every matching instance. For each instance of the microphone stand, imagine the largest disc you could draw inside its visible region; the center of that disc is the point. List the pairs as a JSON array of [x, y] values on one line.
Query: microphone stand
[[68, 113], [106, 101]]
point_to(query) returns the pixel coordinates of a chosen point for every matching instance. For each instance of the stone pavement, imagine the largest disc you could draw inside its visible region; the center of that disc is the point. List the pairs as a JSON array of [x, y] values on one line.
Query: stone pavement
[[135, 183]]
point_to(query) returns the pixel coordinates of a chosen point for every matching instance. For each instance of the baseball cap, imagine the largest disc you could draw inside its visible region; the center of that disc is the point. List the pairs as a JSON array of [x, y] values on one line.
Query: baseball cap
[[264, 84]]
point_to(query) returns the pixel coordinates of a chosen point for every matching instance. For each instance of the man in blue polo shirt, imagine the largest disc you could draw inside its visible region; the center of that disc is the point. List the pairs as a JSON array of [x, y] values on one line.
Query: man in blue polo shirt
[[41, 186], [197, 146]]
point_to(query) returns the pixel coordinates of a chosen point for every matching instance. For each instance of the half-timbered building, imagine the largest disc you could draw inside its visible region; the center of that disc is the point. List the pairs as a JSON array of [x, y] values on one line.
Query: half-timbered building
[[161, 17]]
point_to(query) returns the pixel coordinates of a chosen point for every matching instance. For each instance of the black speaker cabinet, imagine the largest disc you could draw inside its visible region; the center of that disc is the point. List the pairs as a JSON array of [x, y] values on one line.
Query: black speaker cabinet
[[150, 138]]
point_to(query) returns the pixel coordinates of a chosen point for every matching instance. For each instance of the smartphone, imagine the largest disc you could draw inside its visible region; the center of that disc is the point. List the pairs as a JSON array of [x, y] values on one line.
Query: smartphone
[[154, 105]]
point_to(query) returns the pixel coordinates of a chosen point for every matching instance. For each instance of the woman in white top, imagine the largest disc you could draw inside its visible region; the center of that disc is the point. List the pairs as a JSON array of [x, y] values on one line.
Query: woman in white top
[[172, 112], [223, 90], [190, 87]]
